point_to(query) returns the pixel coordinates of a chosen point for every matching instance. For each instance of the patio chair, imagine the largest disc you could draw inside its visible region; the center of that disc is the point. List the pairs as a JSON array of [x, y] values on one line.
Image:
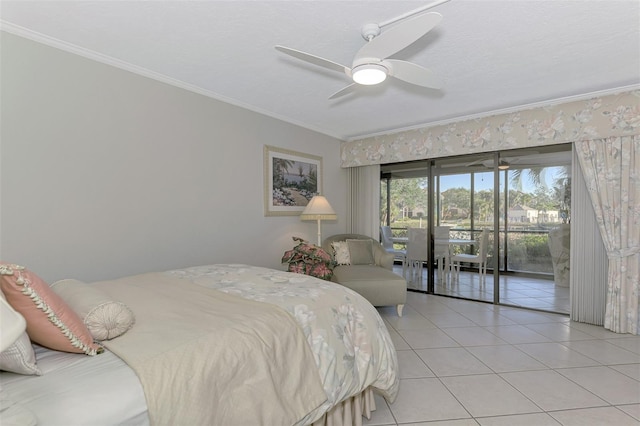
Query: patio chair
[[416, 253], [441, 252], [480, 258], [387, 242]]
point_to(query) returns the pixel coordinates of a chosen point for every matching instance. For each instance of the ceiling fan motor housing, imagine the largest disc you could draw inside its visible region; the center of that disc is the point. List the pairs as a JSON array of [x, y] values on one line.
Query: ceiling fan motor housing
[[370, 31]]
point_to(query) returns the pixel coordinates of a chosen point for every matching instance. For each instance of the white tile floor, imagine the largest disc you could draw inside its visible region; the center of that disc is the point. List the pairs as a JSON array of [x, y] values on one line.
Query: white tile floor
[[535, 293], [468, 363]]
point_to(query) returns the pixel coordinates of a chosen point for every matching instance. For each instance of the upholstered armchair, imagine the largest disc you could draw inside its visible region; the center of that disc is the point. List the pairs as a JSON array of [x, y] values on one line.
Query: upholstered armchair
[[367, 270]]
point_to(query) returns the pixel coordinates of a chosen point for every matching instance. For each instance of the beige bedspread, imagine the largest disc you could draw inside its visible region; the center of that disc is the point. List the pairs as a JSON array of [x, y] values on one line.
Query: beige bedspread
[[209, 358], [350, 343]]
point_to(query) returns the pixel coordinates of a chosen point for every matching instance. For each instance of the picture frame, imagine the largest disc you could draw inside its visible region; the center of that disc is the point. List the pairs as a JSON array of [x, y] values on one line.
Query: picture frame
[[291, 179]]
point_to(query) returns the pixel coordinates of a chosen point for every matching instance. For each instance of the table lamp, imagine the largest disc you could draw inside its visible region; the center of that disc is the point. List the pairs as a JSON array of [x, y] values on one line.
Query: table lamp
[[318, 209]]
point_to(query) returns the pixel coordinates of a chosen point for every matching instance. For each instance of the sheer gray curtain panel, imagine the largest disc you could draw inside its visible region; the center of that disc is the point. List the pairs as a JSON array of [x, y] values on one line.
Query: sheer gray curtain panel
[[588, 272], [611, 169], [363, 206]]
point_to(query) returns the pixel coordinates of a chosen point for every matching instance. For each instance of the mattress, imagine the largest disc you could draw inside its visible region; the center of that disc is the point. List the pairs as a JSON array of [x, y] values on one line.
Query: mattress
[[89, 386]]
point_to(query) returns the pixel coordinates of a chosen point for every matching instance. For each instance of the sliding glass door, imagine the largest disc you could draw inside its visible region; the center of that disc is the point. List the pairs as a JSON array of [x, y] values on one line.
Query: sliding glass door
[[404, 195], [538, 217], [520, 198], [465, 193]]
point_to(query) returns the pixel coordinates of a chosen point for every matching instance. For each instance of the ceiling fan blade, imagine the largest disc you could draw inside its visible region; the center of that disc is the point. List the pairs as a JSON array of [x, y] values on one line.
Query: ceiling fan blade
[[398, 37], [413, 73], [343, 91], [316, 60], [477, 162]]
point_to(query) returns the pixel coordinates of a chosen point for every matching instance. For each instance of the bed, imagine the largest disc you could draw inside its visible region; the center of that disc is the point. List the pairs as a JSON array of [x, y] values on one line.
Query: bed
[[218, 345]]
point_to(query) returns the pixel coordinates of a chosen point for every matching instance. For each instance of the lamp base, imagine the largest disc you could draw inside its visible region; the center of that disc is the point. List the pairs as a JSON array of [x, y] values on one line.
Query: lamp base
[[319, 235]]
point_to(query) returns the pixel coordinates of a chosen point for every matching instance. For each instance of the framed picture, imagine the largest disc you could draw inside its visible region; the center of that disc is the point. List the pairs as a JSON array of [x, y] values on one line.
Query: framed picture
[[291, 179]]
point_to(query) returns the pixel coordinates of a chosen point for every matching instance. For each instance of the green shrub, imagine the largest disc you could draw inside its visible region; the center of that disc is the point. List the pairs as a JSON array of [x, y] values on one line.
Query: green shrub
[[536, 246]]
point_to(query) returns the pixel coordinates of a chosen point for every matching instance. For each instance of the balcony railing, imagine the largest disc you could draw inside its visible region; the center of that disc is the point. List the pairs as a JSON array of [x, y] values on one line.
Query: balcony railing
[[527, 250]]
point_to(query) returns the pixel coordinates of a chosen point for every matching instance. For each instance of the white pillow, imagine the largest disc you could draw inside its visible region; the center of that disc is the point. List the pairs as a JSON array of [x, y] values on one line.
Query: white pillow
[[104, 317], [341, 252], [19, 357]]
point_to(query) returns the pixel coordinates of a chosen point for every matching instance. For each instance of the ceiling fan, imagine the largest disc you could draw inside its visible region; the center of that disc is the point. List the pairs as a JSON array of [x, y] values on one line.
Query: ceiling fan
[[526, 158], [372, 65], [503, 164]]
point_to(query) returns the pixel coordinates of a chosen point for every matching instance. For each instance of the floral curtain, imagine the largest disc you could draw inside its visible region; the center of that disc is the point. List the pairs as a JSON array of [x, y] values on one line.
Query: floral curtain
[[611, 168]]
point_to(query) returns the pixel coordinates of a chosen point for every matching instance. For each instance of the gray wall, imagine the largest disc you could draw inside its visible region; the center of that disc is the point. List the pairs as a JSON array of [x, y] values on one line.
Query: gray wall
[[104, 173]]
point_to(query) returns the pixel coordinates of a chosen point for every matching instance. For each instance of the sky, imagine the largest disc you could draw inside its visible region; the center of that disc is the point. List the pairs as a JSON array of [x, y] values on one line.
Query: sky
[[485, 180]]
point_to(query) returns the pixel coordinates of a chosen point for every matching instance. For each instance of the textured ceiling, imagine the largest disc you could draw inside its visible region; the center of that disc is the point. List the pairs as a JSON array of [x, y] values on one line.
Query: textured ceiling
[[492, 55]]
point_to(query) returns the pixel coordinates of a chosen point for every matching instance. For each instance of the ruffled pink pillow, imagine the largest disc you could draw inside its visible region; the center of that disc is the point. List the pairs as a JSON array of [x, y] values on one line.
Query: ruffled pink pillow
[[50, 321]]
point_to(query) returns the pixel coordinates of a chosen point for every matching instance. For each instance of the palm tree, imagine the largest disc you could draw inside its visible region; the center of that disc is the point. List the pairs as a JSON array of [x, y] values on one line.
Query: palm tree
[[536, 176], [280, 167], [561, 190]]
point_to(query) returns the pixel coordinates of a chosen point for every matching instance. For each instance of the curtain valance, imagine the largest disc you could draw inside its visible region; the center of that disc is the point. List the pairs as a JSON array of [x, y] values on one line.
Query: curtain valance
[[603, 117]]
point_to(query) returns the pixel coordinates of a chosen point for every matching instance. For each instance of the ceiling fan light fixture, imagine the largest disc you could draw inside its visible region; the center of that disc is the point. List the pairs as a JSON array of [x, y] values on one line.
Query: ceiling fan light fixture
[[503, 165], [369, 74]]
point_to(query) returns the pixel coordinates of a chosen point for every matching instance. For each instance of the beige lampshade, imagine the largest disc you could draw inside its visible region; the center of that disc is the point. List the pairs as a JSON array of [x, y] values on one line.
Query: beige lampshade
[[318, 209]]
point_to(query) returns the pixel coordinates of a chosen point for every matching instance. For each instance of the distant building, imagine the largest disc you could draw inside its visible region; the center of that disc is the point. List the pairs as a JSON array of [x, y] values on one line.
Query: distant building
[[549, 216], [455, 213], [525, 214]]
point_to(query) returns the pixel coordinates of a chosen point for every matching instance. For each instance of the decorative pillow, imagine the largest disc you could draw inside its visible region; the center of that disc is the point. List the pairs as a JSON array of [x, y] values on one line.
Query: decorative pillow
[[19, 357], [50, 321], [105, 318], [341, 252], [309, 259], [361, 252]]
